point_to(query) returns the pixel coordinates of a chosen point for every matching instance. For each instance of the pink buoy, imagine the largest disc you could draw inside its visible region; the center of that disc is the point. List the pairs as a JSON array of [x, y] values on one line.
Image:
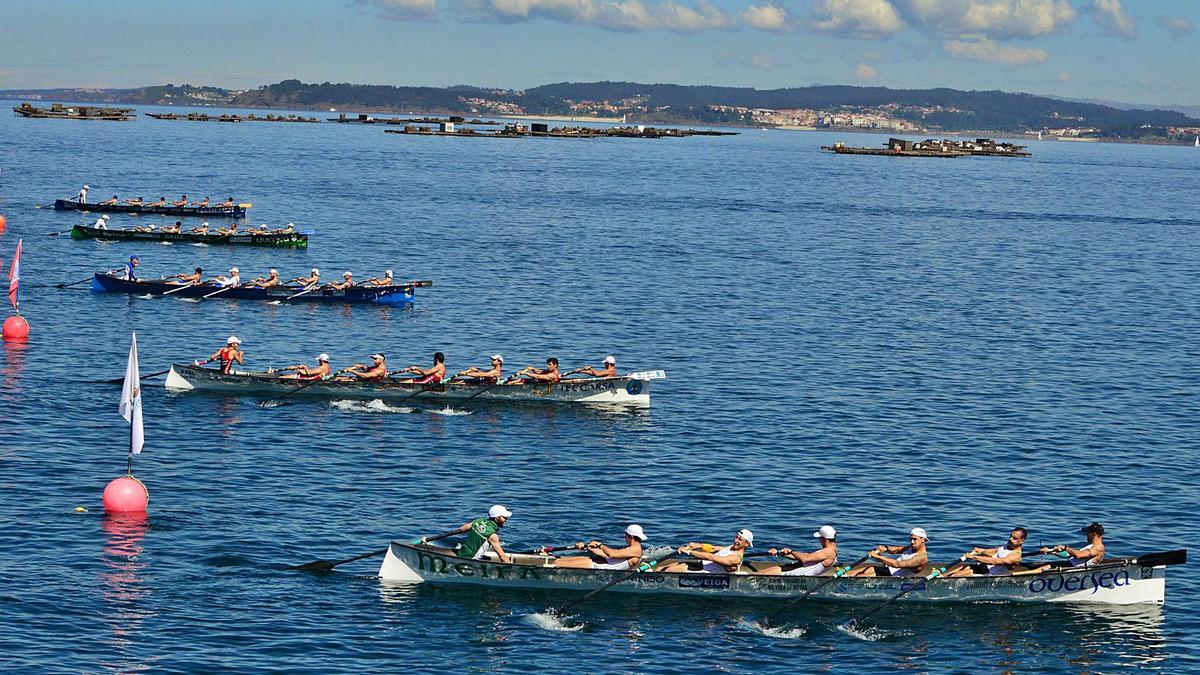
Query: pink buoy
[[125, 495], [16, 328]]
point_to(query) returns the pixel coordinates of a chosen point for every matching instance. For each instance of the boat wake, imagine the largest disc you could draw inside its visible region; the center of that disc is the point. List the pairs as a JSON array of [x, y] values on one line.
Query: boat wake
[[189, 299], [548, 620], [271, 403], [166, 243], [780, 632], [870, 633], [451, 412], [147, 296], [200, 244], [373, 406]]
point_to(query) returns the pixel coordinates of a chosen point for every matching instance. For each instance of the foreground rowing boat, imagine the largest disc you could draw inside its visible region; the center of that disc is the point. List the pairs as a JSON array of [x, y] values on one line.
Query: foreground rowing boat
[[235, 211], [1120, 581], [400, 294], [632, 389], [283, 239]]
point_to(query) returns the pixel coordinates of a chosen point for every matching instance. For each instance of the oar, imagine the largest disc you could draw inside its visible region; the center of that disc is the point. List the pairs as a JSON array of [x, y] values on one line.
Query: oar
[[176, 290], [307, 385], [838, 573], [424, 388], [73, 283], [58, 234], [119, 380], [857, 621], [219, 290], [644, 567], [326, 565], [296, 295], [490, 386]]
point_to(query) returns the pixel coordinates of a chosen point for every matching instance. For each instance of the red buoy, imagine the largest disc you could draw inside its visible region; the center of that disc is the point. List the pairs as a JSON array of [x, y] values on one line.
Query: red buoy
[[2, 223], [125, 495], [15, 328]]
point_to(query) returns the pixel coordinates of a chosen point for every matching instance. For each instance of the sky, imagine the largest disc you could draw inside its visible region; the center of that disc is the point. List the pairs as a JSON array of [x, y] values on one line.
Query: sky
[[1136, 51]]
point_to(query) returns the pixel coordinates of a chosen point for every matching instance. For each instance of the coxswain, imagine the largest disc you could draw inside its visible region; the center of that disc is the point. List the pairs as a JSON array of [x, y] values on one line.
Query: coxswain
[[376, 372], [269, 281], [182, 201], [726, 560], [602, 557], [346, 282], [227, 231], [227, 204], [232, 351], [173, 229], [234, 279], [81, 197], [187, 279], [489, 376], [131, 268], [310, 281], [548, 374], [203, 229], [136, 201], [909, 559], [1085, 556], [609, 369], [303, 372], [992, 562], [101, 222], [387, 280], [812, 564], [431, 375], [483, 536], [162, 201], [202, 202], [110, 202]]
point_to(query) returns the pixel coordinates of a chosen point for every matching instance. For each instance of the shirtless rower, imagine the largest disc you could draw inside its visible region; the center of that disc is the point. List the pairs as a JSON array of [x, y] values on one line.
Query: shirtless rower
[[162, 201], [303, 372], [203, 229], [310, 281], [909, 559], [481, 376], [808, 564], [173, 229], [227, 355], [136, 201], [376, 281], [1085, 556], [186, 279], [431, 375], [202, 202], [609, 369], [601, 557], [227, 231], [548, 374], [992, 562], [726, 560], [110, 202], [145, 228], [376, 372], [483, 536], [228, 203], [234, 279], [269, 281], [346, 282], [181, 202]]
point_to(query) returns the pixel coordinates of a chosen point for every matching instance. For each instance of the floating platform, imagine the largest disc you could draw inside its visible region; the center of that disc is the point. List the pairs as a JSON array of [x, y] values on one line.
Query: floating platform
[[899, 147], [58, 111], [228, 117]]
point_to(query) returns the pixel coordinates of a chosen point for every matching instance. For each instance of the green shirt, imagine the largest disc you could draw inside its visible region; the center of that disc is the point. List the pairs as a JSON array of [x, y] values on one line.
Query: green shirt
[[477, 536]]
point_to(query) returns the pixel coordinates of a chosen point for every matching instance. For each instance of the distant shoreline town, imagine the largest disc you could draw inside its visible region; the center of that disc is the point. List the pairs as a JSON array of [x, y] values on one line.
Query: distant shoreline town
[[840, 108]]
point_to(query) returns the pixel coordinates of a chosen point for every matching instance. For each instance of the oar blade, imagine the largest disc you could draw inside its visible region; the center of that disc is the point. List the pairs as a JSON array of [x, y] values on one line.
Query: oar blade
[[316, 566]]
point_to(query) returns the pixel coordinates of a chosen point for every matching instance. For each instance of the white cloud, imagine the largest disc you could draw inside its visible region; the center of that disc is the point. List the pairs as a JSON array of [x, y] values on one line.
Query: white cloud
[[1176, 25], [864, 72], [403, 10], [990, 18], [763, 62], [989, 51], [857, 18], [1111, 15], [620, 15], [767, 17]]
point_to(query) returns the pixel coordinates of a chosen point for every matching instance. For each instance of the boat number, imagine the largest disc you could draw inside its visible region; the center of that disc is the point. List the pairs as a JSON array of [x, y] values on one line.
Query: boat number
[[1095, 581], [1147, 572], [634, 387]]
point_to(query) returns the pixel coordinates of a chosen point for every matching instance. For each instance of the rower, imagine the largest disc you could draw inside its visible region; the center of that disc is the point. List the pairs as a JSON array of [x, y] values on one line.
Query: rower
[[182, 201], [173, 229], [303, 372], [1086, 556], [227, 204], [144, 228], [609, 369], [490, 376], [136, 201], [346, 282], [309, 281], [385, 281], [910, 559], [808, 564], [288, 229], [82, 196], [131, 268], [431, 375], [203, 229], [202, 202], [992, 562], [101, 222], [261, 229], [601, 557], [232, 229], [162, 201], [373, 373], [269, 281], [110, 202], [234, 279], [186, 279], [483, 536], [232, 351], [726, 560], [548, 374]]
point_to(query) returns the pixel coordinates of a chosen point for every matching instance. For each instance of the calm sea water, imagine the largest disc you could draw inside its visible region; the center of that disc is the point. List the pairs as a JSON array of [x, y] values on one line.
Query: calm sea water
[[878, 344]]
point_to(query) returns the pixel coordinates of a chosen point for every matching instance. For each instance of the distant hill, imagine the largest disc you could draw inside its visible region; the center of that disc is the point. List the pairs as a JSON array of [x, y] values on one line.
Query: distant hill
[[941, 109]]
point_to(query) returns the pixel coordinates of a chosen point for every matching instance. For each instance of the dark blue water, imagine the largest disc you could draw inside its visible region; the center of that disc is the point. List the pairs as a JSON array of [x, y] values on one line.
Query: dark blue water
[[878, 344]]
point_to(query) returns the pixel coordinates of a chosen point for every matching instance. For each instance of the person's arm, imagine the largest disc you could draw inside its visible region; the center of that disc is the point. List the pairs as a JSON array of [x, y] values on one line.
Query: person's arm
[[214, 355], [626, 552], [237, 356], [914, 563], [494, 540], [990, 558], [821, 556], [1094, 553]]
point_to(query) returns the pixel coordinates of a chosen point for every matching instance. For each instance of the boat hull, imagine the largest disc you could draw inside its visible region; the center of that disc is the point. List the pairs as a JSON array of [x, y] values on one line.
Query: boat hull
[[616, 390], [384, 295], [293, 240], [1115, 584], [236, 211]]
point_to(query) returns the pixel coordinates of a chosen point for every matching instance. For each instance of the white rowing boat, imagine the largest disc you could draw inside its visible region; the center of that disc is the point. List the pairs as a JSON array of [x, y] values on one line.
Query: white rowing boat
[[1119, 581], [632, 389]]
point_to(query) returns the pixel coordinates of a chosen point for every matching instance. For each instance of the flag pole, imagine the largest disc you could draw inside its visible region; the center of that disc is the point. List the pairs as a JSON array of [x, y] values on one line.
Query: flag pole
[[129, 464]]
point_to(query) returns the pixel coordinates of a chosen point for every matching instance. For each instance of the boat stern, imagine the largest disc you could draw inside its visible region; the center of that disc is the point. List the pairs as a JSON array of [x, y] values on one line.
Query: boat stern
[[395, 569], [176, 382]]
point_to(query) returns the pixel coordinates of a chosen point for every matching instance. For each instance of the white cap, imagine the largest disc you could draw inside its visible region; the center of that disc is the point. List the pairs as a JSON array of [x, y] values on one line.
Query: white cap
[[747, 535], [204, 224], [347, 274], [636, 532], [323, 357], [499, 511], [274, 271], [233, 340], [497, 357], [316, 271], [377, 356], [234, 270], [290, 225], [87, 187], [826, 532], [919, 532], [387, 273], [105, 216], [609, 359]]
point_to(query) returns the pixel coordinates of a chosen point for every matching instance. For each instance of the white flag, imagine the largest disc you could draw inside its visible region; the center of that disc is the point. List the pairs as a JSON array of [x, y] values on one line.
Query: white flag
[[131, 400]]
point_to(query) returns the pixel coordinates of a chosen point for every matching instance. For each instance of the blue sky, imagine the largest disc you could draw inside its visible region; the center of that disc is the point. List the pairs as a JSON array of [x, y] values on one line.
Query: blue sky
[[1141, 51]]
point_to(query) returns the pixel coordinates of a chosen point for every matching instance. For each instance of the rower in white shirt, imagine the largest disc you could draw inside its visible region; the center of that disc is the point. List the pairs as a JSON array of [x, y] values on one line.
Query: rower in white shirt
[[232, 280], [808, 564], [101, 222], [82, 196]]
